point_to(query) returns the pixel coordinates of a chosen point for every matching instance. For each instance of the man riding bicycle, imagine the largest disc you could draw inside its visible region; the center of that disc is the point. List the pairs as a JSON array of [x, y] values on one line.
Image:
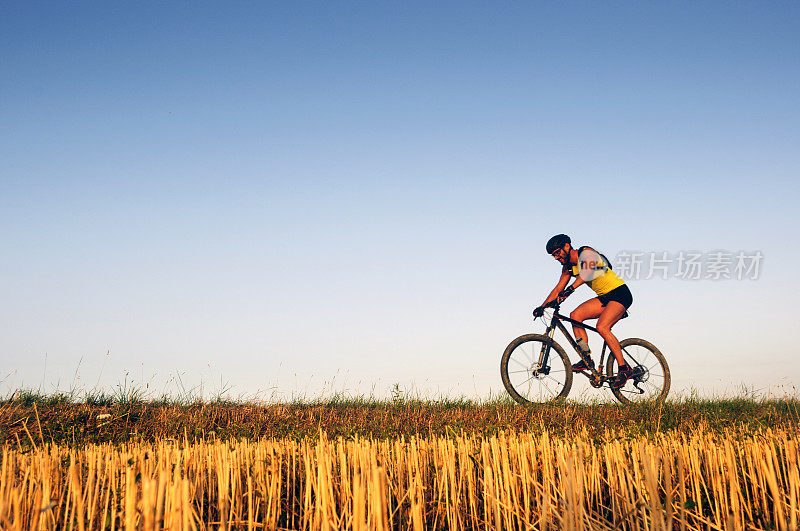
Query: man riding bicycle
[[589, 267]]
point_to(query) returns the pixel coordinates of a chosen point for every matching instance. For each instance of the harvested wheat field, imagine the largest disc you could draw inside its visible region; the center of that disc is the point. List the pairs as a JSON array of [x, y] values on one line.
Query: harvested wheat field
[[697, 480]]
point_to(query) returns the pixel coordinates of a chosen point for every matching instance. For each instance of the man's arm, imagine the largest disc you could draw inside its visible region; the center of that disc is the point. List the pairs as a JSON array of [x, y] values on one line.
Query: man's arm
[[562, 282]]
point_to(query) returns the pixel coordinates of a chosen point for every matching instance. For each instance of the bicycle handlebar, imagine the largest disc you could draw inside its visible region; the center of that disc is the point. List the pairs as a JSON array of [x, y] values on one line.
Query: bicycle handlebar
[[552, 304]]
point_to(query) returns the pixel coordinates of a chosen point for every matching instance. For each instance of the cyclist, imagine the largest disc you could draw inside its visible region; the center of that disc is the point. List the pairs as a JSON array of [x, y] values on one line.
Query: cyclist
[[589, 267]]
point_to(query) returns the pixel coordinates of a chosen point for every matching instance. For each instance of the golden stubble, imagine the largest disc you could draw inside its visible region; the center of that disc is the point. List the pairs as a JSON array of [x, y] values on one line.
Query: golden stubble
[[700, 480]]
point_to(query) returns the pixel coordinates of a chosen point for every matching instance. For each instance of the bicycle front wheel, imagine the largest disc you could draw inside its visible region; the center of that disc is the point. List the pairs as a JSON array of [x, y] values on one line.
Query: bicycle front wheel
[[651, 377], [535, 369]]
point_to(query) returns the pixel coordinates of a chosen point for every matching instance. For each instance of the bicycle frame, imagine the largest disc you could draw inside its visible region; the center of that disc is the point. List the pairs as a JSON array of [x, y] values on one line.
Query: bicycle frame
[[597, 378]]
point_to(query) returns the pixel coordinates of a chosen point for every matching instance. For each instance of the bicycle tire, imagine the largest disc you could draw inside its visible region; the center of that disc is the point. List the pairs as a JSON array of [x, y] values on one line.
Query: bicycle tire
[[515, 352], [637, 354]]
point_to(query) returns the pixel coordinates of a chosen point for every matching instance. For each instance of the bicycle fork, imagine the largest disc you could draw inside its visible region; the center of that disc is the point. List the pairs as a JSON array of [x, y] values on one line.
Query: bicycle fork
[[541, 362]]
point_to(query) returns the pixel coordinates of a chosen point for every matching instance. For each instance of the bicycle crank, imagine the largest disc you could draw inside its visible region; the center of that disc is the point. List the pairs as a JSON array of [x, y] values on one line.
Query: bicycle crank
[[595, 379]]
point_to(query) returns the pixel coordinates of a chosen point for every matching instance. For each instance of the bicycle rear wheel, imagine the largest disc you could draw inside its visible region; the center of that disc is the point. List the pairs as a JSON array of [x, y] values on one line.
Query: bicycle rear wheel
[[651, 377], [535, 369]]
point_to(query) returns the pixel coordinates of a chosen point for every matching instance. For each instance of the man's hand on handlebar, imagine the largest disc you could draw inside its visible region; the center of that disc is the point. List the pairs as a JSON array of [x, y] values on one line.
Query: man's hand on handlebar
[[539, 311]]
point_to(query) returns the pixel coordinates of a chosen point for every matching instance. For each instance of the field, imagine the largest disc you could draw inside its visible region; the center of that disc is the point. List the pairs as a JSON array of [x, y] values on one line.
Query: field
[[402, 464]]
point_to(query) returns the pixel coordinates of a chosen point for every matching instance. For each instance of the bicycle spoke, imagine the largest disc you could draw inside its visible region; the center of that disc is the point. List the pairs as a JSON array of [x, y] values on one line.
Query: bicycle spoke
[[556, 381], [655, 387], [520, 364], [529, 356], [531, 381], [527, 380]]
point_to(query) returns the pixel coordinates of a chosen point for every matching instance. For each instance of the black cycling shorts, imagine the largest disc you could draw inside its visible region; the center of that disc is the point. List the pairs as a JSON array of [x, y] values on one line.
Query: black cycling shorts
[[620, 294]]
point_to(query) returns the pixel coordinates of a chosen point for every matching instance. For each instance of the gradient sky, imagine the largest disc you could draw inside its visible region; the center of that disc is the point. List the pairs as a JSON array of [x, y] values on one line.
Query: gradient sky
[[295, 198]]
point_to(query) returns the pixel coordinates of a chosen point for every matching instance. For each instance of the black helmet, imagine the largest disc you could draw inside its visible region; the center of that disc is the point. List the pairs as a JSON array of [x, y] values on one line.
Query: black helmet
[[557, 242]]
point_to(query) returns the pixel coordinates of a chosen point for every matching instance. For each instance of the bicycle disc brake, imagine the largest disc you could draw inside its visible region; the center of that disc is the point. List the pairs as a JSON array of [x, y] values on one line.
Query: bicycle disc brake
[[538, 371]]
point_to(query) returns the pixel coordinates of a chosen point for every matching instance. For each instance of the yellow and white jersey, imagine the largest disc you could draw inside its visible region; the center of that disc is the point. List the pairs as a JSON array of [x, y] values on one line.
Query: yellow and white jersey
[[597, 273]]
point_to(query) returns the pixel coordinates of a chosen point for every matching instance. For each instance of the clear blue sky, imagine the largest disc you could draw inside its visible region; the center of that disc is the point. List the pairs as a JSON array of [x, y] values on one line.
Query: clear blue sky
[[297, 196]]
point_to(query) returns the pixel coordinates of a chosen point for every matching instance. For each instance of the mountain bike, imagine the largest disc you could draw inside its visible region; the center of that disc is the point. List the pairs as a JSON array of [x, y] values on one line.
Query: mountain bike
[[535, 368]]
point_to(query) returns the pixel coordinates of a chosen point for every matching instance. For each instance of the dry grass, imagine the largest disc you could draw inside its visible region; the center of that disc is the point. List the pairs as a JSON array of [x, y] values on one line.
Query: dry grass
[[699, 480]]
